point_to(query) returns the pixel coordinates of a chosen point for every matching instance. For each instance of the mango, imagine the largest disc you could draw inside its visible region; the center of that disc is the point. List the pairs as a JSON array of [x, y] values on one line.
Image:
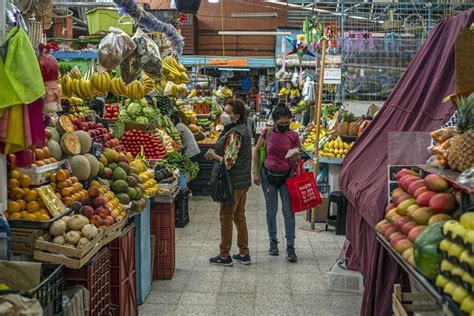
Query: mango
[[436, 183]]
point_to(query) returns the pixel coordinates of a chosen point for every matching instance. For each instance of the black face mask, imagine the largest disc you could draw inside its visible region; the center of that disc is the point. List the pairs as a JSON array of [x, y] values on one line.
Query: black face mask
[[283, 128]]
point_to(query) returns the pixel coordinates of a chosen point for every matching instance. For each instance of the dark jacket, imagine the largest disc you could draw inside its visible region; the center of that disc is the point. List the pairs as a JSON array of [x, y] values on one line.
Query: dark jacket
[[241, 171]]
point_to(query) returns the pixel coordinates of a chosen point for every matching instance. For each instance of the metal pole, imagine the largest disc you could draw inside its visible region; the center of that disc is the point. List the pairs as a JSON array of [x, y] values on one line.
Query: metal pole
[[317, 119]]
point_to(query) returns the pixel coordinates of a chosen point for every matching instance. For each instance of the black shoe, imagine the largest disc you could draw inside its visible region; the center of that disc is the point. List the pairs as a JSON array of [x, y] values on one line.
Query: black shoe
[[222, 262], [242, 259], [291, 254], [273, 251]]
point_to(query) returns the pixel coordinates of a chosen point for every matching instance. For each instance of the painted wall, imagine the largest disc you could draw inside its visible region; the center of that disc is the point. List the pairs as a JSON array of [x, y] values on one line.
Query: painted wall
[[210, 22]]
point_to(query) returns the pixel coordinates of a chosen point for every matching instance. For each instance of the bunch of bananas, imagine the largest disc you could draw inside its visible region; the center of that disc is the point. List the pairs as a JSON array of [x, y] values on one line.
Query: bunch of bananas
[[135, 90], [300, 107], [160, 85], [310, 139], [223, 92], [66, 86], [118, 87], [295, 92], [148, 84], [100, 83], [75, 73], [75, 101], [173, 71], [175, 90], [192, 94], [335, 148], [284, 91], [82, 88]]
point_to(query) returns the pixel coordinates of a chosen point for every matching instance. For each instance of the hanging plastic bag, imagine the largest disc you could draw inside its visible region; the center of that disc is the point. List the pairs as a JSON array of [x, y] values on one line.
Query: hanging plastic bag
[[223, 190], [50, 71], [130, 68], [149, 54], [114, 48]]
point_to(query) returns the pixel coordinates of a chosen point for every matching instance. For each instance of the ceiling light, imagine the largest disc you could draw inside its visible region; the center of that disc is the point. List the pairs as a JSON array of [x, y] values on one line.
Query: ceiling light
[[269, 33], [234, 69], [254, 15], [213, 1]]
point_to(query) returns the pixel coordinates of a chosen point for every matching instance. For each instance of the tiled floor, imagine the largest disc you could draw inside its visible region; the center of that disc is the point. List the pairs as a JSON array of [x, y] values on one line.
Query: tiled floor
[[270, 286]]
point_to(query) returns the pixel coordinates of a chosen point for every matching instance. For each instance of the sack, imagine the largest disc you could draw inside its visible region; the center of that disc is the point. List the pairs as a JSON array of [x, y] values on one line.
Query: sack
[[263, 151], [304, 193], [222, 191], [276, 178]]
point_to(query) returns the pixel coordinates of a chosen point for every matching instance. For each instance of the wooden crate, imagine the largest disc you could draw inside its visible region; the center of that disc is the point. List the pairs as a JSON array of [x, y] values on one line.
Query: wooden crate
[[404, 304], [23, 240]]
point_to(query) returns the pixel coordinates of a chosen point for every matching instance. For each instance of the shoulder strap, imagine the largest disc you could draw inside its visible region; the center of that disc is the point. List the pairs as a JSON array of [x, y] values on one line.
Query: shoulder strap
[[267, 134]]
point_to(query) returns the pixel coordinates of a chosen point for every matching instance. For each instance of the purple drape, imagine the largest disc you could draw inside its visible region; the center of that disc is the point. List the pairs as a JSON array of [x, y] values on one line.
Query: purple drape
[[414, 105]]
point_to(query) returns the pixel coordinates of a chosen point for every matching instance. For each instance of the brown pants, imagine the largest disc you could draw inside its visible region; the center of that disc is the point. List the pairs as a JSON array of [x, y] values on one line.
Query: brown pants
[[234, 213]]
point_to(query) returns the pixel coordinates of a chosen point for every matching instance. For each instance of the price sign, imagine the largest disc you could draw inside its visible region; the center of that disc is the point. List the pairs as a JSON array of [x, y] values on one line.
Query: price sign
[[332, 76]]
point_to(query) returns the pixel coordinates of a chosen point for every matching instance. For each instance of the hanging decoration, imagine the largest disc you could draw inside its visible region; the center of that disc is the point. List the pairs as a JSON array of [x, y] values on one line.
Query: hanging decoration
[[299, 47], [313, 30], [149, 22]]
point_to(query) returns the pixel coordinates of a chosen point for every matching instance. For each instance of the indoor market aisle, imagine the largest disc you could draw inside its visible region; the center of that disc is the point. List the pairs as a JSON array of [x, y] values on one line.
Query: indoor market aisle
[[270, 285]]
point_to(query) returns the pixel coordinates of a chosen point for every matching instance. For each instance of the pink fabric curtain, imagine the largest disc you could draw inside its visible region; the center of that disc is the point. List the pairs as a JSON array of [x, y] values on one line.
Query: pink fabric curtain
[[414, 105]]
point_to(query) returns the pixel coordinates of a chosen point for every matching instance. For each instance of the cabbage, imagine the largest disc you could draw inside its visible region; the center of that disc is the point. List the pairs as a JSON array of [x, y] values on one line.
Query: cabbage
[[142, 120], [148, 112], [134, 109]]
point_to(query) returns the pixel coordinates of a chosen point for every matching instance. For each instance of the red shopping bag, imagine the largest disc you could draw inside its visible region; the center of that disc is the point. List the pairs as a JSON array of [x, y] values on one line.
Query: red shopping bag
[[304, 193]]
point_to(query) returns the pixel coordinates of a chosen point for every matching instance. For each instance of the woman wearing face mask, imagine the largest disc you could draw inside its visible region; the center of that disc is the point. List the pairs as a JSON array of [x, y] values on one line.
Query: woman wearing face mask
[[276, 169], [234, 148]]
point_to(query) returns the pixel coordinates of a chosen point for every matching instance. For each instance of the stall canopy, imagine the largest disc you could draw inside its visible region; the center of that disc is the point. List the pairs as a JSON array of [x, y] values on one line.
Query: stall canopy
[[414, 105]]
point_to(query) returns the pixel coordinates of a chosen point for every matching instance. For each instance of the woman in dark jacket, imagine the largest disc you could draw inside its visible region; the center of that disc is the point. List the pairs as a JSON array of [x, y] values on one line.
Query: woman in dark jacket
[[234, 149]]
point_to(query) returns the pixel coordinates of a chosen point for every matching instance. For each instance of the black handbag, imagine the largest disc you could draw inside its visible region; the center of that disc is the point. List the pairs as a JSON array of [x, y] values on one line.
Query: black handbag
[[223, 192]]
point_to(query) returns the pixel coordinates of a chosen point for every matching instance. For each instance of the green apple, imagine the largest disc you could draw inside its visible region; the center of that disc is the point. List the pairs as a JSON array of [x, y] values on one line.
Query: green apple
[[459, 294], [441, 281], [467, 220]]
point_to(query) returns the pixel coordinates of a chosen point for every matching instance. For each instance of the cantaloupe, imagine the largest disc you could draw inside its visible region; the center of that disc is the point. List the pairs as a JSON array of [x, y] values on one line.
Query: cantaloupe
[[54, 149], [86, 141], [54, 134], [70, 144], [80, 167], [94, 165], [64, 125]]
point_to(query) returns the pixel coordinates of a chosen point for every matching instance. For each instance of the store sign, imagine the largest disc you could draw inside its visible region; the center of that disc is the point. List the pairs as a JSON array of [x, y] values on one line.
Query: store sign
[[332, 76], [228, 62]]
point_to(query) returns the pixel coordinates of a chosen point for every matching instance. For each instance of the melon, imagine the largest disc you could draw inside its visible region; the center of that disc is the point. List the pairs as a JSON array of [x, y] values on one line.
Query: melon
[[54, 134], [54, 149], [64, 125], [80, 167], [94, 165], [70, 144], [86, 141]]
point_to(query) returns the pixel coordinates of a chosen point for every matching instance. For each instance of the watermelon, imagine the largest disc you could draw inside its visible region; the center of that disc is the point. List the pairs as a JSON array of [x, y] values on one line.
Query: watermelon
[[426, 250]]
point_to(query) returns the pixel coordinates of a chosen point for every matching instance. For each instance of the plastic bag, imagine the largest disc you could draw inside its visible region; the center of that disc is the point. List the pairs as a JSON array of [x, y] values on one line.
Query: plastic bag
[[114, 48], [130, 68], [149, 54], [223, 191]]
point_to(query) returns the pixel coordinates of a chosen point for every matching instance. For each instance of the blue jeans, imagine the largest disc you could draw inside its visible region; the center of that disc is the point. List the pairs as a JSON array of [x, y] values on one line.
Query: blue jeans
[[270, 192]]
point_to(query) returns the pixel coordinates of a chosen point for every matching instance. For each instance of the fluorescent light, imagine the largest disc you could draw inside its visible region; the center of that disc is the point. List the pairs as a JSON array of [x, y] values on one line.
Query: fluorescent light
[[252, 33], [213, 1], [234, 69], [254, 15]]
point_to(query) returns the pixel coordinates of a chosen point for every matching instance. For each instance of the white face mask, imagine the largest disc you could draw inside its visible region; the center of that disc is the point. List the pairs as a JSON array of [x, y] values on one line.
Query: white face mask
[[225, 118]]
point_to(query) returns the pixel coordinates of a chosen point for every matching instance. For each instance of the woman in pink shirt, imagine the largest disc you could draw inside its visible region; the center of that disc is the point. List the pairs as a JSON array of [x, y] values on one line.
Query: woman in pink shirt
[[276, 169]]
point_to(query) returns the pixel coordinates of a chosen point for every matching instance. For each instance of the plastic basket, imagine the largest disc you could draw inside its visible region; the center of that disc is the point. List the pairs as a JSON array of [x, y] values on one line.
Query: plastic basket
[[95, 277], [162, 224], [182, 209], [123, 274], [143, 254], [101, 19], [341, 280]]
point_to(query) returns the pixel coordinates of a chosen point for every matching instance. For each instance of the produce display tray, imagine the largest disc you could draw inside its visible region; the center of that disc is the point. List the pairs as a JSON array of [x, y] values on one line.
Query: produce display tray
[[20, 223], [166, 198], [450, 176], [40, 175]]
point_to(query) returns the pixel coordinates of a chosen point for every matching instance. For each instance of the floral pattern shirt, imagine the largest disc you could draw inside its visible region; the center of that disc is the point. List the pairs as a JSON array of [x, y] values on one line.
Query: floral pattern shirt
[[232, 148]]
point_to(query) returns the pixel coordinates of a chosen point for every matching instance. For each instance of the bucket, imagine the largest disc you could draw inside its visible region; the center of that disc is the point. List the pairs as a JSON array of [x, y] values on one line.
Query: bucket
[[99, 20]]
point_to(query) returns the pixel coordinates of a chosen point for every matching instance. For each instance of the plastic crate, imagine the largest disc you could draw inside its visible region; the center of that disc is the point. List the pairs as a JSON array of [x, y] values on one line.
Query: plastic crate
[[101, 19], [123, 274], [341, 280], [143, 253], [198, 189], [162, 224], [181, 217], [95, 276]]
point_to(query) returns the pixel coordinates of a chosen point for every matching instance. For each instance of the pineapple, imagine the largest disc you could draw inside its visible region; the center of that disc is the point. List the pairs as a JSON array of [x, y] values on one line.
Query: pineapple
[[461, 151], [354, 127], [343, 126]]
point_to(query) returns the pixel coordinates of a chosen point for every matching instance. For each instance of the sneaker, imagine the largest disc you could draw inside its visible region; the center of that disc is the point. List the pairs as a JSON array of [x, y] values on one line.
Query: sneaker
[[291, 254], [242, 259], [222, 262], [273, 251]]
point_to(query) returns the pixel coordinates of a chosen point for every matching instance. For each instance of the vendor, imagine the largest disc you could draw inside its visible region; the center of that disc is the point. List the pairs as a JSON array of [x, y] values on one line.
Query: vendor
[[191, 148], [97, 105]]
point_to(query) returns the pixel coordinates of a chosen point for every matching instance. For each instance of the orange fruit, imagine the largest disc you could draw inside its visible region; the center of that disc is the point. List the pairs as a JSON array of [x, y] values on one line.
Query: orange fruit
[[31, 195], [78, 186], [61, 185], [13, 183], [42, 210], [16, 193], [44, 218], [15, 174], [74, 179], [67, 201], [29, 217], [13, 207], [69, 182], [14, 216], [37, 214], [32, 206], [22, 204], [25, 181], [62, 175], [66, 192]]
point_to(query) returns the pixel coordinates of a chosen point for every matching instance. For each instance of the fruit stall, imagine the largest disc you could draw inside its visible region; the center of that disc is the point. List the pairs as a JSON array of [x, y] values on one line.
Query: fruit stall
[[94, 193]]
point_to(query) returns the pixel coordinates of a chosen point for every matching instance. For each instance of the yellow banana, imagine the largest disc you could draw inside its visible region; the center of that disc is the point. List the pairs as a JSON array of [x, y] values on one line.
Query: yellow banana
[[95, 81], [105, 81]]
